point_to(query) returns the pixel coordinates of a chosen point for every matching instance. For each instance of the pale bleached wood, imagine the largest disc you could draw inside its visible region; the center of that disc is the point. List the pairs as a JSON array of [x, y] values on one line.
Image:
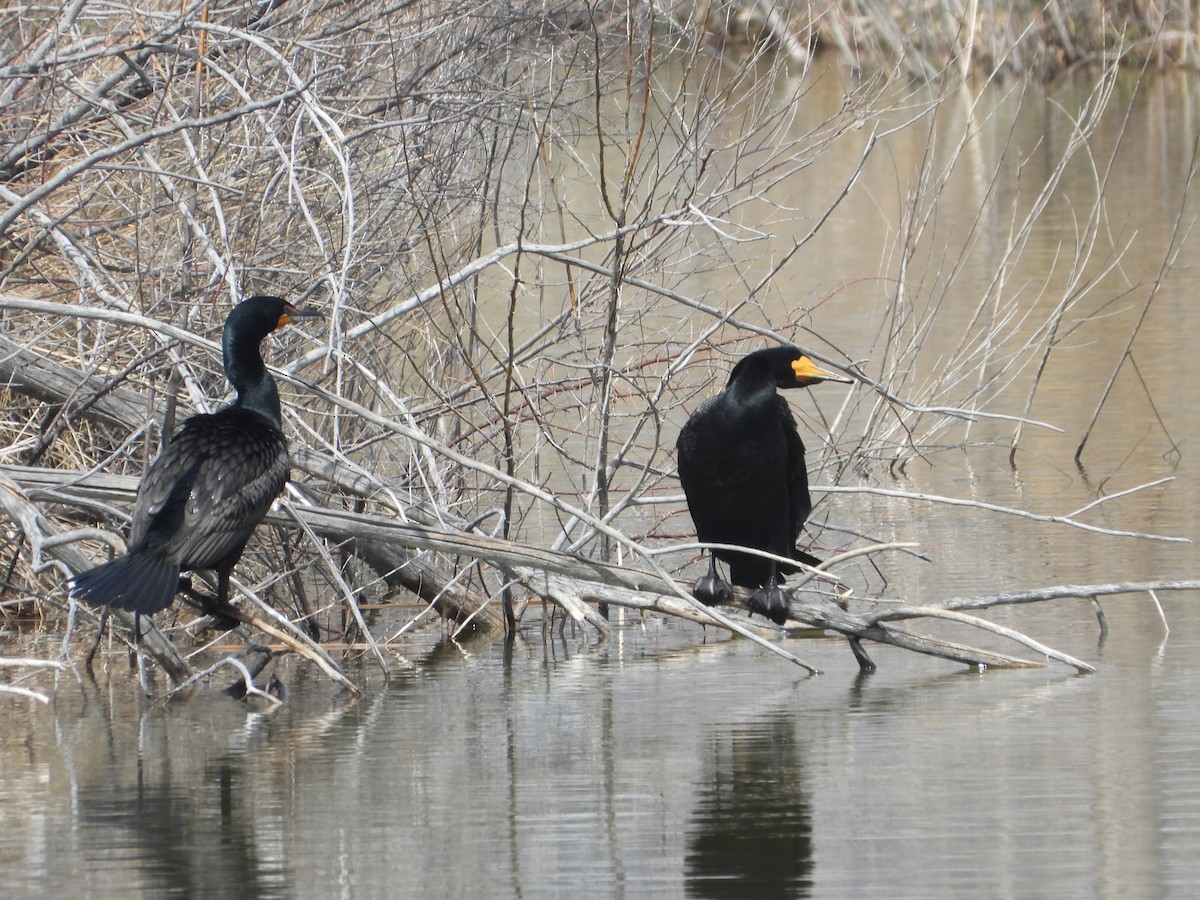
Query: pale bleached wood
[[576, 582]]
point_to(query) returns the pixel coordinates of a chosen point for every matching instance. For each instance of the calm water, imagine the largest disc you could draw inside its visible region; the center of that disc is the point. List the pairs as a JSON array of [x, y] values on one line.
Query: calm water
[[667, 762], [650, 766]]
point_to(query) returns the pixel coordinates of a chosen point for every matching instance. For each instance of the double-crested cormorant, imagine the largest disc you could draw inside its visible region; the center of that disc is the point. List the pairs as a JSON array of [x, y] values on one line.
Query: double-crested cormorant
[[741, 462], [201, 499]]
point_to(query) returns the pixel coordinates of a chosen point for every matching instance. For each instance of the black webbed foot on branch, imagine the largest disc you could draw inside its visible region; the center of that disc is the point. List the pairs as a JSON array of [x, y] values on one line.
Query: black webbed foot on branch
[[224, 616], [771, 602], [712, 590]]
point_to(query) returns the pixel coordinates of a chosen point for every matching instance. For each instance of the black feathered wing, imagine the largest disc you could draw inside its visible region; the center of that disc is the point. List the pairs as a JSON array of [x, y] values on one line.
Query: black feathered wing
[[743, 473], [732, 464], [205, 494], [799, 499], [196, 508]]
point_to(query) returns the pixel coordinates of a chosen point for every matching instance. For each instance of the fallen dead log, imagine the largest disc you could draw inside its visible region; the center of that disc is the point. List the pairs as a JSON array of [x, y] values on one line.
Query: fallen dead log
[[46, 539], [72, 393], [577, 583]]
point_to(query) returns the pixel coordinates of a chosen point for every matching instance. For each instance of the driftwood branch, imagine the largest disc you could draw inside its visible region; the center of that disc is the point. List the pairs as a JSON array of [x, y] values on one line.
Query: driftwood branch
[[1070, 518], [97, 399], [576, 582], [46, 539], [270, 622], [1040, 595]]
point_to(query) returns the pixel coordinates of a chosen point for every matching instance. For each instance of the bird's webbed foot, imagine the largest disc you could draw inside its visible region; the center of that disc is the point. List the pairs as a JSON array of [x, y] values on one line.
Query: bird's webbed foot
[[223, 615], [712, 590], [769, 601]]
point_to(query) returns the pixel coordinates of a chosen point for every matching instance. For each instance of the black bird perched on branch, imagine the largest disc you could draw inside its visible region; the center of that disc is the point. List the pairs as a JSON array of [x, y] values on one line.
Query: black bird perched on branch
[[203, 496], [741, 462]]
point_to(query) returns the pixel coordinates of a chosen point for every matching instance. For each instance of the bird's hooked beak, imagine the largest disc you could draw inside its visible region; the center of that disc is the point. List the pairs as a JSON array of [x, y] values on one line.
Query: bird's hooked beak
[[297, 312], [807, 372]]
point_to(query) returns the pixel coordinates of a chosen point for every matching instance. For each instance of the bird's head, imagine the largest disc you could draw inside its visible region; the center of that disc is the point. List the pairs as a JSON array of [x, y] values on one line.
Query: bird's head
[[785, 366], [261, 314]]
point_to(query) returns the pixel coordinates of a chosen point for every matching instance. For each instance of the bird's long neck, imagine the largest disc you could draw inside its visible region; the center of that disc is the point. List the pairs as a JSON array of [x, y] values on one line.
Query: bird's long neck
[[245, 370], [753, 398]]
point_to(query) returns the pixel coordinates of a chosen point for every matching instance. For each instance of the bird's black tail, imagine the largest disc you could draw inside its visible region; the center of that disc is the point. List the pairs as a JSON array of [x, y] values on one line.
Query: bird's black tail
[[140, 583], [807, 558], [797, 554]]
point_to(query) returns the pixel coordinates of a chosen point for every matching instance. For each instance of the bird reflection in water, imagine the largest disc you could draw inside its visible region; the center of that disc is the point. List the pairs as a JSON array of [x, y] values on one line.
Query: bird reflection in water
[[751, 832]]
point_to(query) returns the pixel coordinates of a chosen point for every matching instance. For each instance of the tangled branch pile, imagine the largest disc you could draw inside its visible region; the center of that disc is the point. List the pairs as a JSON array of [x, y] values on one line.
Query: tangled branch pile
[[526, 223]]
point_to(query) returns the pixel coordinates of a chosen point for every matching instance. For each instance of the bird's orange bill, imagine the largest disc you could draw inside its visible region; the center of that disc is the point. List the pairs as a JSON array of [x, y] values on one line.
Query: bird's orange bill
[[807, 373]]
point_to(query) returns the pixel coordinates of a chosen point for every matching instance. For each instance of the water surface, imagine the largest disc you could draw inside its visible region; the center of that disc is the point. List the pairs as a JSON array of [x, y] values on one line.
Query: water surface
[[651, 765]]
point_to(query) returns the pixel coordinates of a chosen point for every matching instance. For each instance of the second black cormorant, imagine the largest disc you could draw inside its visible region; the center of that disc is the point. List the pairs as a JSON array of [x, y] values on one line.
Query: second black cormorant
[[741, 462], [203, 496]]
